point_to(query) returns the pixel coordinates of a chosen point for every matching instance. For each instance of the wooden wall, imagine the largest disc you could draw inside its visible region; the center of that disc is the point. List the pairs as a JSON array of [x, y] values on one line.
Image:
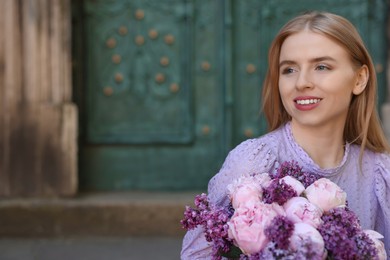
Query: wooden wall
[[38, 122]]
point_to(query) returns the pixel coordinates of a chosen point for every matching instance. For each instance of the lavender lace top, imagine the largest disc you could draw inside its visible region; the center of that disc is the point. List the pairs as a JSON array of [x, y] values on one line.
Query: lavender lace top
[[368, 192]]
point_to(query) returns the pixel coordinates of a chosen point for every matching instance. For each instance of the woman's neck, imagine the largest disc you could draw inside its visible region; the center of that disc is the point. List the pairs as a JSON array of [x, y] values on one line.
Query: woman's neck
[[324, 145]]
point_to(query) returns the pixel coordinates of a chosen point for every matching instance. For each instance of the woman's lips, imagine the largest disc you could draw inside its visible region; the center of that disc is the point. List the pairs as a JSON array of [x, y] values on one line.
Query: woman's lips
[[306, 103]]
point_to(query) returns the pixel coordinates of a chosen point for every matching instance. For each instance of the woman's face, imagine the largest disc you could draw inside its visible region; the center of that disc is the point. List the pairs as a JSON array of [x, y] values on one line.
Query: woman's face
[[317, 80]]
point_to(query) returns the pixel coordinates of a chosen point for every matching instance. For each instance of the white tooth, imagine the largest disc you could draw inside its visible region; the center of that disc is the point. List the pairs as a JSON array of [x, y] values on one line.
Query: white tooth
[[308, 101]]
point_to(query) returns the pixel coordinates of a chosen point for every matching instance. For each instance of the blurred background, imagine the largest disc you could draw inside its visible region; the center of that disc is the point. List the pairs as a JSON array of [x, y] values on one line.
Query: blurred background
[[115, 113]]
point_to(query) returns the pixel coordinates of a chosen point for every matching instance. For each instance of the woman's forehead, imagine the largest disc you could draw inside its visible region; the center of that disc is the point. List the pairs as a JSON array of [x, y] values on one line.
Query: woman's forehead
[[311, 45]]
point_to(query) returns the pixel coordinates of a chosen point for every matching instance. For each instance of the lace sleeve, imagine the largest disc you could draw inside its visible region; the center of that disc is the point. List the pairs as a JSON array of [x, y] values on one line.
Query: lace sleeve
[[195, 245], [382, 190]]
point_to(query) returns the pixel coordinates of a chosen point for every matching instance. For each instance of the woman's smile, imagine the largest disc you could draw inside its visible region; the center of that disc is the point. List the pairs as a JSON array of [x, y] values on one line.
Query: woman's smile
[[306, 103]]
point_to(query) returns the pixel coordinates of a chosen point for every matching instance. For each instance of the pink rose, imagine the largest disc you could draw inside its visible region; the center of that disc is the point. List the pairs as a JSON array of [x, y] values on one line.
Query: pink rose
[[294, 183], [247, 188], [262, 179], [379, 245], [326, 194], [299, 209], [247, 225], [305, 234]]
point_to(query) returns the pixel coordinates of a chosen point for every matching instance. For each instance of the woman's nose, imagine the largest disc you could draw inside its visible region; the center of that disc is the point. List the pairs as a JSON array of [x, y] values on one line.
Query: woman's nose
[[304, 80]]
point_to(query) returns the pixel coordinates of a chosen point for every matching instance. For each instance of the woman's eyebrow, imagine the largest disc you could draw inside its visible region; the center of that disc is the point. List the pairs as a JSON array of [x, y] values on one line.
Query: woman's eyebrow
[[286, 62], [323, 58], [313, 60]]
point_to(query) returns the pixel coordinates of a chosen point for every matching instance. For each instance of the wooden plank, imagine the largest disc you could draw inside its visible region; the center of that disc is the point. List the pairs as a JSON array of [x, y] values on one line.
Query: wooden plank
[[50, 170], [59, 149], [69, 144], [50, 155], [44, 52], [55, 51], [66, 49], [42, 22], [4, 181], [12, 85], [58, 141], [24, 177], [24, 170], [30, 17]]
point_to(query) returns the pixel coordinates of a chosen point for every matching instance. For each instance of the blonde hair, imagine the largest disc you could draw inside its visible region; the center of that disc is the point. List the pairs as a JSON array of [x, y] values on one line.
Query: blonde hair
[[363, 125]]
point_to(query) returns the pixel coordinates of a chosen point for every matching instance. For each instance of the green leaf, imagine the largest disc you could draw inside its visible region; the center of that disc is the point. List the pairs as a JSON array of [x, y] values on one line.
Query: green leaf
[[234, 253]]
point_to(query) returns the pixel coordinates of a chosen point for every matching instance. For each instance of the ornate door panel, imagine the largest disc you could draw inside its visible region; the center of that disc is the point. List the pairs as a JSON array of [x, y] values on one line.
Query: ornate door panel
[[154, 105], [138, 72], [170, 86]]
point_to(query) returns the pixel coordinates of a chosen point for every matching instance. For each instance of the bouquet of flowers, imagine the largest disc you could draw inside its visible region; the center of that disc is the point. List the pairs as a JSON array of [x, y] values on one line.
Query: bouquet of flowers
[[288, 215]]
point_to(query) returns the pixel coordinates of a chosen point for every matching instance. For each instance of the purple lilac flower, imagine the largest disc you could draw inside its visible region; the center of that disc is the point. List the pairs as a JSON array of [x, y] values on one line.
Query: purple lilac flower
[[365, 246], [294, 170], [338, 230], [279, 231], [272, 251], [214, 222], [202, 201], [278, 191], [191, 218], [230, 210], [337, 242], [306, 251], [343, 217], [195, 216]]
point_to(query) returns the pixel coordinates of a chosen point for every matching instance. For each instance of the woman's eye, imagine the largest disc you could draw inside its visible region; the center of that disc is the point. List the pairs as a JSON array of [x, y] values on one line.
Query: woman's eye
[[322, 67], [288, 71]]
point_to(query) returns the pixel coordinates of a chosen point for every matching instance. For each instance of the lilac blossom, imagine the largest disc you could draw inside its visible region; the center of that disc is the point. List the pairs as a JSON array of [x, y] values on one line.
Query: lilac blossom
[[365, 246], [279, 231], [214, 222], [307, 251], [272, 251], [343, 236], [293, 169], [278, 191], [343, 217]]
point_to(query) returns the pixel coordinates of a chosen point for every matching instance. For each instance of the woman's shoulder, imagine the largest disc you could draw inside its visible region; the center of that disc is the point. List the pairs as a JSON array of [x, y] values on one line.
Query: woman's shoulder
[[380, 165], [249, 151], [379, 161], [263, 144], [254, 154]]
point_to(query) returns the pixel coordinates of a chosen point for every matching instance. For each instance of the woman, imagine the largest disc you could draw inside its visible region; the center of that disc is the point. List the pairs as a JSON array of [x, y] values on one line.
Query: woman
[[319, 100]]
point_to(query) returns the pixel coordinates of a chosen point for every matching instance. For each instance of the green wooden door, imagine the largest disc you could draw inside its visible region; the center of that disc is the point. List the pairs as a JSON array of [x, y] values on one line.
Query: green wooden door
[[169, 87]]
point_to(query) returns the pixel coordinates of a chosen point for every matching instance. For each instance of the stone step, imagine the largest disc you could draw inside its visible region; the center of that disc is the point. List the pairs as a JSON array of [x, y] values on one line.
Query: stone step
[[102, 214]]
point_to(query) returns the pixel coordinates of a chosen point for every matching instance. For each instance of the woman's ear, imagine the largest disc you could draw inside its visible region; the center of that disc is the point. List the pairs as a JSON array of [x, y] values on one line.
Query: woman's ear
[[362, 76]]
